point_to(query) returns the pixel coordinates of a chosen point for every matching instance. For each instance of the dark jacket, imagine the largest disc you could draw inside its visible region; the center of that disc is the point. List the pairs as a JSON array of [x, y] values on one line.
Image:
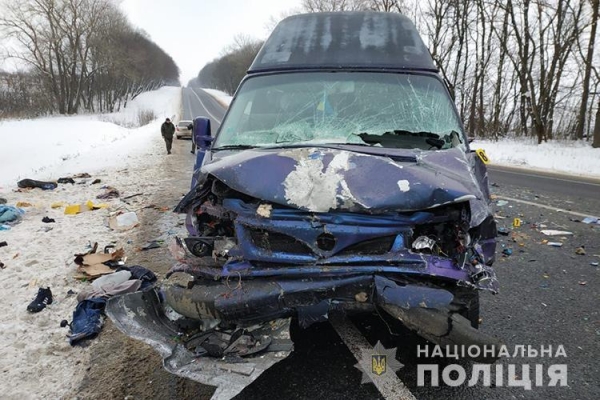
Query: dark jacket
[[167, 130]]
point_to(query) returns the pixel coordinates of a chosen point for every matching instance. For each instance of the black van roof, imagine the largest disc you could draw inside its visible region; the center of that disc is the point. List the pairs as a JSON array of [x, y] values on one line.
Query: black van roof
[[344, 40]]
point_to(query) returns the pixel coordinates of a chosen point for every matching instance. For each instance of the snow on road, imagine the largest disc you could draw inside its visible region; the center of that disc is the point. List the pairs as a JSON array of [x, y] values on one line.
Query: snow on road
[[220, 96]]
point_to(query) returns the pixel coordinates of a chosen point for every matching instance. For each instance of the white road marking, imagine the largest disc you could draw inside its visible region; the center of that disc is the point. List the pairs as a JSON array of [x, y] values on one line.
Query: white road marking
[[203, 106], [389, 385], [531, 203], [190, 109]]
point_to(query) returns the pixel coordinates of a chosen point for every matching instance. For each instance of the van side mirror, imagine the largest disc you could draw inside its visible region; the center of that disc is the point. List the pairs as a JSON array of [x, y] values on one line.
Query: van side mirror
[[202, 135]]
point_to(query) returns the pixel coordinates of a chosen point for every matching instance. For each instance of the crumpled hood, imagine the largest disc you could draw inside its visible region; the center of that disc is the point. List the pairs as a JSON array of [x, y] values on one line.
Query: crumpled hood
[[325, 179]]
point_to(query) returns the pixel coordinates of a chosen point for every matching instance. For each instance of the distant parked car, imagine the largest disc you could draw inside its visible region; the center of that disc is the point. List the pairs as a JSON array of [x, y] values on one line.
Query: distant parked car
[[182, 130]]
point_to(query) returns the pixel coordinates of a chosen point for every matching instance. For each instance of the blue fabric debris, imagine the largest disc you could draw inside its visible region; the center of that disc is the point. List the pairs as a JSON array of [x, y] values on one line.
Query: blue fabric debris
[[87, 320], [10, 214]]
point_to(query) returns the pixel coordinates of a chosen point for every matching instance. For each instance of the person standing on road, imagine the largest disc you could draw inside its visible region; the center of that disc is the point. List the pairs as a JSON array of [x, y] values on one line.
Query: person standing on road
[[168, 130]]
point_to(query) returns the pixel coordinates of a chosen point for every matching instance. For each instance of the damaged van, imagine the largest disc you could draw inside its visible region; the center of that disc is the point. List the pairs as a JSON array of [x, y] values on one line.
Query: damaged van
[[340, 180]]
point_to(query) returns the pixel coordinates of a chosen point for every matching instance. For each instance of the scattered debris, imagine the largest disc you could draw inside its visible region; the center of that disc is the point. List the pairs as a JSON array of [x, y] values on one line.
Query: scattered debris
[[132, 195], [82, 175], [594, 263], [10, 215], [518, 237], [158, 208], [91, 265], [59, 204], [552, 232], [507, 252], [124, 221], [110, 193], [48, 220], [153, 244], [590, 220], [517, 222], [22, 204], [582, 283], [66, 180], [503, 231], [2, 244], [2, 266], [73, 209], [3, 200], [4, 227], [501, 203], [580, 251], [115, 278], [87, 320], [555, 244], [42, 299], [32, 184], [96, 181]]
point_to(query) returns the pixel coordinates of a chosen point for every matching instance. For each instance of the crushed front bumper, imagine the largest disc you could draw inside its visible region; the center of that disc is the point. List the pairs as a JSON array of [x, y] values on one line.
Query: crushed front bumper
[[427, 309]]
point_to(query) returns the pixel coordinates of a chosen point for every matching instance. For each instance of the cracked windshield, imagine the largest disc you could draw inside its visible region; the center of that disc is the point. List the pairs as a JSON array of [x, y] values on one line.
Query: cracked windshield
[[363, 108]]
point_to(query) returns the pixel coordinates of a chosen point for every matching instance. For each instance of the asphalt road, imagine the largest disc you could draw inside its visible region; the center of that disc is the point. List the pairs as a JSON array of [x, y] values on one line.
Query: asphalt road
[[197, 103], [549, 296]]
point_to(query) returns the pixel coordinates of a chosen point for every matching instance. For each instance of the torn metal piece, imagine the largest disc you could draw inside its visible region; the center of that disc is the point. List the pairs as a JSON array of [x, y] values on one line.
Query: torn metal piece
[[423, 243], [141, 316]]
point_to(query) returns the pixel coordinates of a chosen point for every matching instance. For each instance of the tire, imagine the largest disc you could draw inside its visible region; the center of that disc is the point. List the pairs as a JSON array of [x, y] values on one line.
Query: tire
[[466, 303]]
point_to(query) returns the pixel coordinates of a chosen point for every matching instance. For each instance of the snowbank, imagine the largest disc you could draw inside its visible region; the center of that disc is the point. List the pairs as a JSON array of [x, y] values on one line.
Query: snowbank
[[220, 96], [572, 157], [46, 148]]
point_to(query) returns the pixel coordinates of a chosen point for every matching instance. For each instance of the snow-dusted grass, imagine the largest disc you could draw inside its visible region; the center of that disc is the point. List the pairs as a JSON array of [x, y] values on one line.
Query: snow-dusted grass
[[571, 157]]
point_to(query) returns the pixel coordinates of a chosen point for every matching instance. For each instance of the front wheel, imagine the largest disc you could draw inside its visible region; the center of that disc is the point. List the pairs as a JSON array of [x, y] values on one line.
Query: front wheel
[[466, 303]]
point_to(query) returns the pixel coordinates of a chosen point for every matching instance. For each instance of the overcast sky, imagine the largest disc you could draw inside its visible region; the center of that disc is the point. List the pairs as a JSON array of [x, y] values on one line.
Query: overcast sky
[[194, 32]]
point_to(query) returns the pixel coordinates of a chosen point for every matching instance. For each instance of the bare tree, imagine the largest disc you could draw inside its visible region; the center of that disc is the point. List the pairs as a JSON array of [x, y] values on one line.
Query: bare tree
[[579, 128], [334, 5], [84, 52]]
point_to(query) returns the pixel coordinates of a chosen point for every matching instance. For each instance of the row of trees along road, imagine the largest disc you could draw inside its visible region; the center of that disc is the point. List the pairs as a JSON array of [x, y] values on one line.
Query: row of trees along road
[[76, 55], [515, 67]]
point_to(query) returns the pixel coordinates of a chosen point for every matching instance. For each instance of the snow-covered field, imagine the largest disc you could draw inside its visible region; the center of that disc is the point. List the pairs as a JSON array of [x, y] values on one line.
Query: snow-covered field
[[47, 147], [571, 157], [37, 360]]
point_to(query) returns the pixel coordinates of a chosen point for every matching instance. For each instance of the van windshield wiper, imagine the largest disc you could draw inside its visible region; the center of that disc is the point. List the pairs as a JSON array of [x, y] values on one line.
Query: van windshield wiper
[[233, 147]]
